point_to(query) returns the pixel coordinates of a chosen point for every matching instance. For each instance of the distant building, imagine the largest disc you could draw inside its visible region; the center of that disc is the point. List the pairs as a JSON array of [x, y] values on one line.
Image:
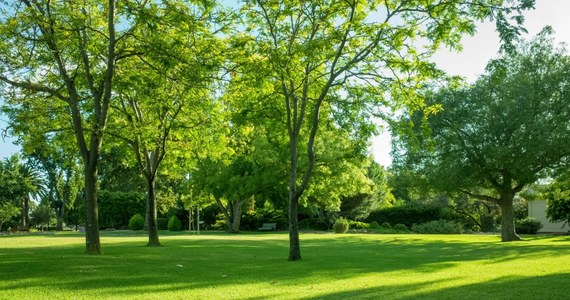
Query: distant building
[[537, 210]]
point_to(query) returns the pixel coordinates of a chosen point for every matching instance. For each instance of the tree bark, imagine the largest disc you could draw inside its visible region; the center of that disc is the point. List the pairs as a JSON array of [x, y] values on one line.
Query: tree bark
[[92, 240], [294, 242], [151, 213], [508, 233], [25, 212], [235, 217]]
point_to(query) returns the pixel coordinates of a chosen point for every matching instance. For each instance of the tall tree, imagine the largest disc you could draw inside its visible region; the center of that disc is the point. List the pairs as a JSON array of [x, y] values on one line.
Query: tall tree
[[501, 134], [347, 55], [69, 51]]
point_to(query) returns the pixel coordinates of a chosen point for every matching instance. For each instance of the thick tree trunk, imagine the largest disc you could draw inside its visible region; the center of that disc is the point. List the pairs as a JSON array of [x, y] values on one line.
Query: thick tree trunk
[[151, 213], [59, 215], [92, 240], [508, 233], [235, 218]]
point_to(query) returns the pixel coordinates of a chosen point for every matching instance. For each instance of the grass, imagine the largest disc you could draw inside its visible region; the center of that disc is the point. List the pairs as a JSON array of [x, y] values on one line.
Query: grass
[[254, 266]]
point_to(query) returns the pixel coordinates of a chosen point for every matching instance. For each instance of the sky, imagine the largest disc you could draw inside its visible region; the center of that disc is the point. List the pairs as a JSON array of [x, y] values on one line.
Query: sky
[[470, 63]]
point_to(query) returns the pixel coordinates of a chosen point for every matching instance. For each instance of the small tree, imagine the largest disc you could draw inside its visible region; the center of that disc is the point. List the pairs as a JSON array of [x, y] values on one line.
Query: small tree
[[42, 215]]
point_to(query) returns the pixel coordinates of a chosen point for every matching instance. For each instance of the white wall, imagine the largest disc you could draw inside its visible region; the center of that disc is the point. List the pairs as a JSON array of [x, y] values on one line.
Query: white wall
[[537, 210]]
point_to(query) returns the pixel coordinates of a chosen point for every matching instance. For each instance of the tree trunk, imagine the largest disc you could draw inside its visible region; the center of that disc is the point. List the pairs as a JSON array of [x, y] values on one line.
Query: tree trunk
[[235, 217], [59, 215], [92, 240], [25, 212], [294, 242], [508, 233], [190, 219], [151, 213]]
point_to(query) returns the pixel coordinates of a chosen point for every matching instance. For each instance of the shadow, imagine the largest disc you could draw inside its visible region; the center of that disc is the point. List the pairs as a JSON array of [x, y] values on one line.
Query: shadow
[[206, 263]]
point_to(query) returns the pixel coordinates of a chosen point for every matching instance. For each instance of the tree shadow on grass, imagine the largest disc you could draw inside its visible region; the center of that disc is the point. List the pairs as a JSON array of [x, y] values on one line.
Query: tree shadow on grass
[[552, 286], [129, 269]]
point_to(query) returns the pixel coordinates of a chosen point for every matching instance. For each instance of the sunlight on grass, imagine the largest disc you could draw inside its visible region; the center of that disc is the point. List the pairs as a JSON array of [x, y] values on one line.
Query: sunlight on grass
[[254, 266]]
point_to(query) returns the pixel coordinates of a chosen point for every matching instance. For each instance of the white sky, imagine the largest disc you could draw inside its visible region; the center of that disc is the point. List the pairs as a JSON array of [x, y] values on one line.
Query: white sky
[[477, 51], [483, 46]]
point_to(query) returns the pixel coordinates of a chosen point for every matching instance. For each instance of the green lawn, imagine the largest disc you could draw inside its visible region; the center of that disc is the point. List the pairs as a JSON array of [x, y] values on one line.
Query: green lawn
[[254, 266]]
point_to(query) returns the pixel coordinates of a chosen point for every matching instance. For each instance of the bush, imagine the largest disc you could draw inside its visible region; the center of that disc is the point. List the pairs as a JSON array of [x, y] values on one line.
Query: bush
[[407, 214], [313, 224], [115, 208], [358, 225], [528, 226], [136, 222], [174, 224], [400, 227], [374, 225], [386, 225], [438, 227], [340, 226], [162, 223]]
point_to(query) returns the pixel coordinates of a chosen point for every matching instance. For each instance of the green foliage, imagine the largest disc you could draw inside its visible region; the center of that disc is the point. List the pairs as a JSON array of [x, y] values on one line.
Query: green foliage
[[136, 222], [374, 225], [174, 224], [340, 225], [528, 225], [558, 201], [162, 223], [405, 214], [400, 227], [7, 212], [313, 224], [438, 227], [358, 225], [386, 225], [116, 208], [42, 215]]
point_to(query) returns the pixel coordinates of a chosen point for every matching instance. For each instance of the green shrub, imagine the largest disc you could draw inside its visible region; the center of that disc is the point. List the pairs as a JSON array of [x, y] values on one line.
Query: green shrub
[[406, 214], [340, 226], [136, 222], [313, 224], [358, 225], [386, 225], [374, 225], [400, 227], [528, 226], [438, 227], [174, 224], [116, 208], [162, 223]]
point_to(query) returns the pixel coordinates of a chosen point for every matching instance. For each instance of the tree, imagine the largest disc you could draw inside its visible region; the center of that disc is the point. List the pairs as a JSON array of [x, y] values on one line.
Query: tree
[[68, 51], [343, 57], [557, 195], [501, 134]]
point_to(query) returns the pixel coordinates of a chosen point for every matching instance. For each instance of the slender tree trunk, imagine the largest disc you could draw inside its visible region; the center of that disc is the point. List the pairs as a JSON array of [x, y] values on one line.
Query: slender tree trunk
[[508, 233], [59, 215], [92, 240], [151, 213], [294, 242], [190, 220], [25, 212]]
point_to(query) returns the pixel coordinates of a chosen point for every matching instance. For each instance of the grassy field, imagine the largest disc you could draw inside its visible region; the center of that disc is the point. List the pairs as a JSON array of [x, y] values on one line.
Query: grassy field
[[254, 266]]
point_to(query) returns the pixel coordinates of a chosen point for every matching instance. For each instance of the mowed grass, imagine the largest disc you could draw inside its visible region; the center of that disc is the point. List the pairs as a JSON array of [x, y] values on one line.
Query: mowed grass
[[254, 266]]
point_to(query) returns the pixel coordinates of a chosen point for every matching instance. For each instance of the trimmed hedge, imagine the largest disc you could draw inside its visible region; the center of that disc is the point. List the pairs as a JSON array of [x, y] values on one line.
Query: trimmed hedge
[[407, 215], [438, 227], [174, 224], [528, 225], [116, 208], [136, 222]]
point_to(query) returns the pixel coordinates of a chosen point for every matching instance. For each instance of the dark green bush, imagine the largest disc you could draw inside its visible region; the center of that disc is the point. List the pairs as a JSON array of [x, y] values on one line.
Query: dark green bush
[[374, 225], [162, 223], [313, 224], [340, 226], [116, 208], [438, 227], [528, 226], [406, 214], [174, 224], [386, 225], [400, 227], [136, 222]]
